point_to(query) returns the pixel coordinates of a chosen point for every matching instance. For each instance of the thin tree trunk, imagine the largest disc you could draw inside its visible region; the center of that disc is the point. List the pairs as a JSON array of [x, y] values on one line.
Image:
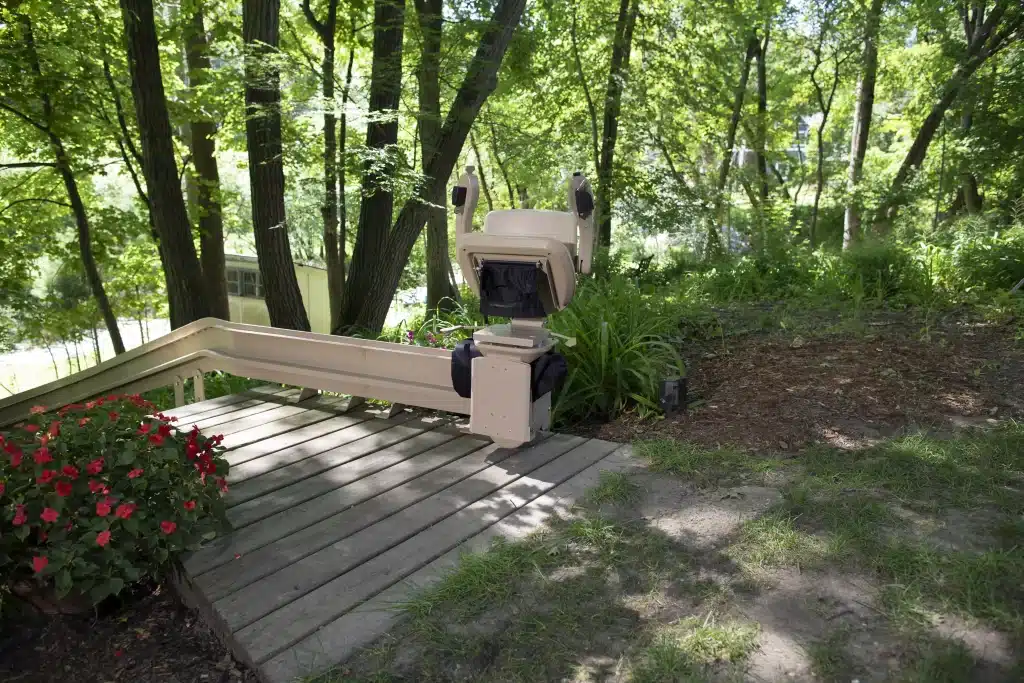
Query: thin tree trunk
[[501, 167], [825, 106], [67, 352], [972, 21], [325, 30], [713, 240], [987, 41], [862, 123], [762, 118], [591, 109], [63, 165], [96, 346], [142, 332], [377, 271], [211, 222], [480, 172], [186, 289], [53, 359], [342, 204], [441, 294], [621, 47], [260, 32]]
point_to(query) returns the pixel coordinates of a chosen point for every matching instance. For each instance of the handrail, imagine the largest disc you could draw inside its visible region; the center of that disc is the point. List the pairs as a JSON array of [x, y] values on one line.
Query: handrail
[[400, 373]]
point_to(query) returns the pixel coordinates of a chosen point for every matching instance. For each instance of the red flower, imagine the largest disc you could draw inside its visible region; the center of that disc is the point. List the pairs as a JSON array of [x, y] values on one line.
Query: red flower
[[112, 397], [43, 536], [156, 439], [113, 416], [39, 563], [222, 484], [164, 430], [54, 430], [19, 515], [118, 652], [84, 421], [191, 450], [70, 471], [31, 429], [168, 527], [15, 454], [132, 474], [42, 456], [46, 477], [102, 508], [95, 486], [189, 505], [1, 488], [49, 515], [89, 405], [95, 467], [125, 510], [102, 538], [38, 409], [63, 488], [144, 428]]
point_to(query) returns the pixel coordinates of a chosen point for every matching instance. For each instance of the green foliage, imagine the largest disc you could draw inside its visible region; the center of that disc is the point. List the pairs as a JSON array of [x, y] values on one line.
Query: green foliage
[[987, 260], [880, 270], [100, 495], [620, 355]]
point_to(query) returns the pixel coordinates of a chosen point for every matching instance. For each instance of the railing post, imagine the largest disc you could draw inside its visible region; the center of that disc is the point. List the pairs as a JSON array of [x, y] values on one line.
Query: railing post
[[198, 387], [179, 392]]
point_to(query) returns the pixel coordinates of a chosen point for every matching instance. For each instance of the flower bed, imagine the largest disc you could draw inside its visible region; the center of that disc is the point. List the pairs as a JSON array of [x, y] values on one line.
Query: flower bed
[[96, 495]]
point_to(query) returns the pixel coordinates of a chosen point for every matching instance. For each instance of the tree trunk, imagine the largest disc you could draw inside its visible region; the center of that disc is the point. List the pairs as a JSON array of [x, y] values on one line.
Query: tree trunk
[[325, 30], [621, 47], [441, 293], [96, 346], [762, 119], [713, 240], [186, 290], [862, 123], [63, 164], [501, 167], [378, 200], [342, 204], [211, 223], [53, 359], [972, 21], [591, 109], [987, 41], [377, 270], [480, 172], [266, 169]]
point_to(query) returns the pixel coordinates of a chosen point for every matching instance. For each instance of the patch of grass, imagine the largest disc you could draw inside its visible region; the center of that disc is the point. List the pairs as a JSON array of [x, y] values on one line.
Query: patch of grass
[[686, 651], [941, 662], [705, 467], [613, 487], [830, 658], [773, 540]]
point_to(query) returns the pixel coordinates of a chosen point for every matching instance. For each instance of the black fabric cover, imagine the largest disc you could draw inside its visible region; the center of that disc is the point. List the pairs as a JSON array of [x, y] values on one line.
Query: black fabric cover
[[512, 289], [462, 367], [548, 373], [458, 195], [584, 203]]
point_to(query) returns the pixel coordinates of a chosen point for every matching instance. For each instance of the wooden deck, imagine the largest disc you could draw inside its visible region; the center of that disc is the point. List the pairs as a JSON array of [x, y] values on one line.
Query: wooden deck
[[337, 517]]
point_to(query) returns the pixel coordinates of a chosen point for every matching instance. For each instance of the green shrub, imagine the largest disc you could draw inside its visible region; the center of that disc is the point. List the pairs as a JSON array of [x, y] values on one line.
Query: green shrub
[[989, 261], [105, 493], [881, 270], [621, 352]]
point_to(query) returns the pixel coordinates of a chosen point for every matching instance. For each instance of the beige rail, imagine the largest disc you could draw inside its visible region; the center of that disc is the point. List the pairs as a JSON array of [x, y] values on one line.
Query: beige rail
[[400, 373]]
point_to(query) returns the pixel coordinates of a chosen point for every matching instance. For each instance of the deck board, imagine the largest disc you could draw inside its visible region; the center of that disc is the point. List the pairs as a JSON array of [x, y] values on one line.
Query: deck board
[[337, 517]]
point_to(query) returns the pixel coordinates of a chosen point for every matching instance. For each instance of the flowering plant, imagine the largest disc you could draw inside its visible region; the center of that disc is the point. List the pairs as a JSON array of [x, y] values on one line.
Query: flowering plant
[[99, 494]]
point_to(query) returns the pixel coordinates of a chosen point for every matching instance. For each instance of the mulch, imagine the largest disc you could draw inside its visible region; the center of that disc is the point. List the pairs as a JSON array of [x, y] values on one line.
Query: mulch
[[147, 637], [773, 393]]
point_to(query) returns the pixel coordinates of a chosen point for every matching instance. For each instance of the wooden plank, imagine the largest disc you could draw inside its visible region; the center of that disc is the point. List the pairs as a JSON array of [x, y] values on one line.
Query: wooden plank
[[246, 460], [265, 429], [223, 403], [290, 535], [276, 412], [289, 590], [312, 477], [337, 641], [239, 410]]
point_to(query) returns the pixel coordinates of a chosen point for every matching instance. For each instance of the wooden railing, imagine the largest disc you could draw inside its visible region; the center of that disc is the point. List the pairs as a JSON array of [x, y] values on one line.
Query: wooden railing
[[400, 373]]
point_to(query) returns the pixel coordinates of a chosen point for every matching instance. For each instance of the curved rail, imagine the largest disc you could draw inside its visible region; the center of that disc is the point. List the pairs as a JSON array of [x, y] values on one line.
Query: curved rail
[[400, 373]]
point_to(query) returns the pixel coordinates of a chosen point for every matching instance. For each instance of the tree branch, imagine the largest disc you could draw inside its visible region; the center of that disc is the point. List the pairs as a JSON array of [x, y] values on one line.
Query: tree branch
[[29, 164], [25, 117], [34, 199]]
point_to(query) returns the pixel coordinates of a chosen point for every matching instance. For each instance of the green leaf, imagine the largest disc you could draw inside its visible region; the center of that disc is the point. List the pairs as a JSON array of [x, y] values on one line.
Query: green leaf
[[22, 532], [99, 592], [115, 585], [126, 457], [131, 525], [63, 583], [209, 535]]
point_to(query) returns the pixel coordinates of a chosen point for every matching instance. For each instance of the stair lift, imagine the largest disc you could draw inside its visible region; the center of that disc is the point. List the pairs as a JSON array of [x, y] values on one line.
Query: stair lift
[[523, 266]]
